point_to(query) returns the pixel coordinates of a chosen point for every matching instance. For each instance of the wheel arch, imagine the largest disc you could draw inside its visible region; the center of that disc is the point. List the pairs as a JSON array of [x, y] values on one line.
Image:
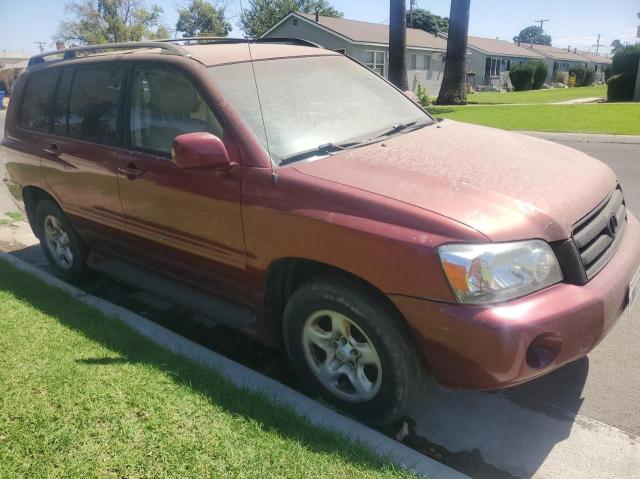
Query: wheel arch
[[286, 275], [32, 195]]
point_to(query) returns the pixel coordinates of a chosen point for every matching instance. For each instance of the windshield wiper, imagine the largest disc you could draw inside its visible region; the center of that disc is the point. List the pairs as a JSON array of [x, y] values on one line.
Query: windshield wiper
[[401, 127], [326, 148]]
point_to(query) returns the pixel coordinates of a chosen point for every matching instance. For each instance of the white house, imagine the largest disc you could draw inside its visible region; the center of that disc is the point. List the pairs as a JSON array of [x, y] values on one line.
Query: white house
[[369, 44]]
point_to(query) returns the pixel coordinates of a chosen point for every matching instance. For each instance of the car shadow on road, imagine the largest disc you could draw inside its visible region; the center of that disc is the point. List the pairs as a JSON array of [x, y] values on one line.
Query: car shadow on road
[[503, 434]]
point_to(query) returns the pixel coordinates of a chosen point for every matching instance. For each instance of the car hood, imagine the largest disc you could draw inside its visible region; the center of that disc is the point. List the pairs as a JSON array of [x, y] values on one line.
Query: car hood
[[505, 185]]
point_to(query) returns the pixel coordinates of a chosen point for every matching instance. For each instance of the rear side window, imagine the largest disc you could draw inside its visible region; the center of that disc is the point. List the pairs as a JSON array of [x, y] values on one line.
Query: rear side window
[[94, 104], [35, 111], [165, 104]]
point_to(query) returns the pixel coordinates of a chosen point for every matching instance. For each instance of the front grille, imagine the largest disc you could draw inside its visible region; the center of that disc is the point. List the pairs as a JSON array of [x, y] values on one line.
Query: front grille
[[598, 234]]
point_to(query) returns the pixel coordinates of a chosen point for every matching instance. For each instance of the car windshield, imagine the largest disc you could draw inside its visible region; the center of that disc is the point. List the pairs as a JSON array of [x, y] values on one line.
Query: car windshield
[[315, 104]]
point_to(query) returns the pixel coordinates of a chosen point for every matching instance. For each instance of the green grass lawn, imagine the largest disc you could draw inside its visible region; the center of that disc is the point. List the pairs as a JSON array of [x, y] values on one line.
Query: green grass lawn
[[622, 119], [553, 95], [83, 396]]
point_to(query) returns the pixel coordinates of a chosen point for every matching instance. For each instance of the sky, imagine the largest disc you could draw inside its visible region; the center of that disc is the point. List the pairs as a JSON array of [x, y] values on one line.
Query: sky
[[571, 23]]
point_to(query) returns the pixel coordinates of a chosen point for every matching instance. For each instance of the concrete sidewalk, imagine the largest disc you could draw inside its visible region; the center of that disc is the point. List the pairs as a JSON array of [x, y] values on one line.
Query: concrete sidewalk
[[585, 137]]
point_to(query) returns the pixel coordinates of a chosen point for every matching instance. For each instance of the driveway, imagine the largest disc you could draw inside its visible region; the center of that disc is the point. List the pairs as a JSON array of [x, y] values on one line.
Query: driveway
[[581, 421]]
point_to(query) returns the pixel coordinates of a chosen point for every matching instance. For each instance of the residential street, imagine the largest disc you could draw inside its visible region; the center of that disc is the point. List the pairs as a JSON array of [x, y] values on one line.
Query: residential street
[[580, 421]]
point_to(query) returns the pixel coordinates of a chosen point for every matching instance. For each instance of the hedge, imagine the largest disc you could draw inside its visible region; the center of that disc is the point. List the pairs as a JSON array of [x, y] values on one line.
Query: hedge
[[522, 76], [620, 87], [584, 76], [540, 75]]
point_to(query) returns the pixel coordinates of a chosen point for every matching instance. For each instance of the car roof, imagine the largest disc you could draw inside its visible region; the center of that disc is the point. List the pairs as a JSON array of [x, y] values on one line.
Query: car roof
[[208, 54], [220, 54]]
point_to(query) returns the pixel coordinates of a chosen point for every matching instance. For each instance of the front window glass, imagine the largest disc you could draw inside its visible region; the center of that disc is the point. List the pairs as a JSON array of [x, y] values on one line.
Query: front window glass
[[94, 104], [312, 101], [165, 104]]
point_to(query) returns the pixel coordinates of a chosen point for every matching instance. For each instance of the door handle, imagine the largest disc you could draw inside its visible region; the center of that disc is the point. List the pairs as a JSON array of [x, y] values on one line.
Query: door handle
[[130, 171], [52, 149]]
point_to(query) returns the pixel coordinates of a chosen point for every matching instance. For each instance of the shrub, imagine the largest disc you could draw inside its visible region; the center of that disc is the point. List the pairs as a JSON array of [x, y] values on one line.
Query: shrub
[[571, 83], [624, 70], [423, 97], [620, 87], [607, 74], [584, 76], [522, 76], [626, 60], [561, 77], [540, 75]]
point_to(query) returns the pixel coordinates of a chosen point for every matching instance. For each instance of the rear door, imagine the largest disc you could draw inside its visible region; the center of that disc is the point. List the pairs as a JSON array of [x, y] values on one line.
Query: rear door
[[186, 223], [80, 162]]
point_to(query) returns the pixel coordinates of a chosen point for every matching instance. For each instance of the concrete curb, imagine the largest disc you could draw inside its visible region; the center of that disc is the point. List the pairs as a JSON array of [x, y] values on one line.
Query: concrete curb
[[585, 137], [246, 378]]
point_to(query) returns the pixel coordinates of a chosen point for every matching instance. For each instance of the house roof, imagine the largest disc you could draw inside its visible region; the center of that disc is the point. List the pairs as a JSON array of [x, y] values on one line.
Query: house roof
[[557, 53], [367, 33], [596, 58], [493, 46]]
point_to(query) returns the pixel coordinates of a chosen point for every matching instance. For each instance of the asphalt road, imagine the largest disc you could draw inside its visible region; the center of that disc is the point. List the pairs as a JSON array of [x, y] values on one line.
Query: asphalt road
[[585, 413]]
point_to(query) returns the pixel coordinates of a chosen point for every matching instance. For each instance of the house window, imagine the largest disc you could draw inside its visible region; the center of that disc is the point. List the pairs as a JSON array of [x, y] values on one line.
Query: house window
[[495, 67], [375, 61], [420, 62]]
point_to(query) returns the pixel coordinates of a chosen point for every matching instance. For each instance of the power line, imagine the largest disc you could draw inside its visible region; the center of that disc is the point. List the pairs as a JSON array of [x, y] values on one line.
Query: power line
[[598, 45], [41, 46]]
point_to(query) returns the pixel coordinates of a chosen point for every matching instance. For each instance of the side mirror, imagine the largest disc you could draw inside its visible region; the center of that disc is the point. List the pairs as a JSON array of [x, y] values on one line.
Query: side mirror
[[200, 150]]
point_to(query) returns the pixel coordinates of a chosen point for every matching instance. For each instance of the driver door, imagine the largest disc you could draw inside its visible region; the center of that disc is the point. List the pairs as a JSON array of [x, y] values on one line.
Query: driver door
[[184, 223]]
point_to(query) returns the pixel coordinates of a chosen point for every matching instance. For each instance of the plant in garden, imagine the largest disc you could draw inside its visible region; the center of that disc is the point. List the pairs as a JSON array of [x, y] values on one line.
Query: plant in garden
[[584, 76], [623, 71], [522, 75], [572, 82], [540, 75], [423, 97]]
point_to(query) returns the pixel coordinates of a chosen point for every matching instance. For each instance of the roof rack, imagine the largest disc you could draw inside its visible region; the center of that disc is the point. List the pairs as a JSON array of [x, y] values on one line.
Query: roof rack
[[205, 40], [69, 53]]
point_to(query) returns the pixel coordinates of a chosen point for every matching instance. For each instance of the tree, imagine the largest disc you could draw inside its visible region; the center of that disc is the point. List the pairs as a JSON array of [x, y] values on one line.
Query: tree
[[263, 14], [616, 46], [453, 89], [427, 21], [109, 21], [398, 44], [532, 34], [202, 18]]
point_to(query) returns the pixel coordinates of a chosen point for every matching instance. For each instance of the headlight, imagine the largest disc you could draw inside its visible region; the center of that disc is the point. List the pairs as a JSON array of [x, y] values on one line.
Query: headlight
[[492, 272]]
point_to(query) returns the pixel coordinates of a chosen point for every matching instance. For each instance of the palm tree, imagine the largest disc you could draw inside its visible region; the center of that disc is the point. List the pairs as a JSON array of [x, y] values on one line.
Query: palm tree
[[398, 44], [453, 89]]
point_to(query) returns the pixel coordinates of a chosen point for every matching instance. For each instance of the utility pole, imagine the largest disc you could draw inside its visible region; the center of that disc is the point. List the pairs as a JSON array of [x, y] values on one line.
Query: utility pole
[[41, 46], [541, 22], [598, 45]]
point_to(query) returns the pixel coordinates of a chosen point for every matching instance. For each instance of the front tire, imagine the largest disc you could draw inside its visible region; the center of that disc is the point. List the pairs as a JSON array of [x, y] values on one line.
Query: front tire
[[352, 348], [60, 243]]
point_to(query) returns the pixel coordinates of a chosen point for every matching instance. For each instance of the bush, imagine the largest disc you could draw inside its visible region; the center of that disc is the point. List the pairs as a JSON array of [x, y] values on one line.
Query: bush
[[571, 83], [584, 76], [620, 87], [561, 77], [626, 60], [423, 97], [624, 70], [540, 75], [522, 76]]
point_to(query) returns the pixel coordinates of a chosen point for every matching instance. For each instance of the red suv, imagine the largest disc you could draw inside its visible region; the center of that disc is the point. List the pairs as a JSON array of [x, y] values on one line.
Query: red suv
[[290, 192]]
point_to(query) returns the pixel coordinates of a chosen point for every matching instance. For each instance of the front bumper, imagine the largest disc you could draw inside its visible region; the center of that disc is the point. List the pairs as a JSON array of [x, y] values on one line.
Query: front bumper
[[479, 347]]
